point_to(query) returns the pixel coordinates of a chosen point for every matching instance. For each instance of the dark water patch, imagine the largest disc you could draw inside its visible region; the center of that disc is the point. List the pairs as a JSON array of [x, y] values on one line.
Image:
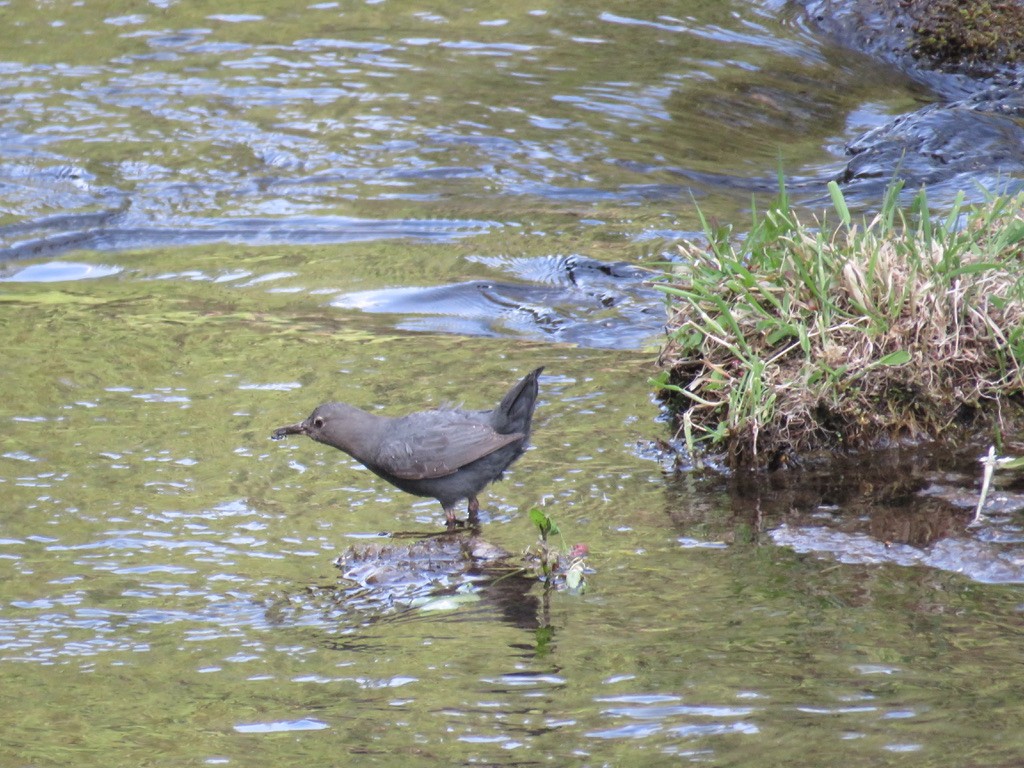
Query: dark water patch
[[71, 224], [262, 232], [902, 507], [571, 300]]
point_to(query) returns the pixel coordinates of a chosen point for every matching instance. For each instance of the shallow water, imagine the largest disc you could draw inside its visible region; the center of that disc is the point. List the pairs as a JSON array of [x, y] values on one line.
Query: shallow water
[[213, 221]]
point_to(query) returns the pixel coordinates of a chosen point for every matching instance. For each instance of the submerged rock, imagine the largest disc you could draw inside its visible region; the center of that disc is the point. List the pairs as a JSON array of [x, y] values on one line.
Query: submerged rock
[[942, 142], [425, 574], [412, 566], [970, 132]]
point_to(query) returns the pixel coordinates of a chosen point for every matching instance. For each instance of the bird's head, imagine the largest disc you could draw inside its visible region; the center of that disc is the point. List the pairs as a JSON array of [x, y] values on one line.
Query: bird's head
[[328, 423]]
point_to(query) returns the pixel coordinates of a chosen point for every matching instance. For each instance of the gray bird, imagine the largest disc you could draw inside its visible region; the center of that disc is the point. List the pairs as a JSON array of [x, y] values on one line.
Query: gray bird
[[447, 454]]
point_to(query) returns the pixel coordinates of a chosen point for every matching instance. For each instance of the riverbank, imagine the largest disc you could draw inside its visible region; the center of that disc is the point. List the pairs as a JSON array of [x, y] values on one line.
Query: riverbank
[[801, 336]]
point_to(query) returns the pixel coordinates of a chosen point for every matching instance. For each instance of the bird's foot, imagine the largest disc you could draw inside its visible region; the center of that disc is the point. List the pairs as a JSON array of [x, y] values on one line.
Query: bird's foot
[[472, 521], [451, 523]]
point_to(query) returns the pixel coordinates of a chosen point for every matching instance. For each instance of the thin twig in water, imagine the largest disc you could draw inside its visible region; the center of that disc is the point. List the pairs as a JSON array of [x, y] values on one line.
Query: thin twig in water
[[990, 464]]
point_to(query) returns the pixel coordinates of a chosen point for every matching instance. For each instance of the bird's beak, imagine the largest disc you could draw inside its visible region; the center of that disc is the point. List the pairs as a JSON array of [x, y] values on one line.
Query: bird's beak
[[291, 429]]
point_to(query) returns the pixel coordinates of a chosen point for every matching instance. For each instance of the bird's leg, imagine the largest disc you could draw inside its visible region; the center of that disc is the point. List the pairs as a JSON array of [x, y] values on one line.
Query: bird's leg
[[473, 509], [449, 519]]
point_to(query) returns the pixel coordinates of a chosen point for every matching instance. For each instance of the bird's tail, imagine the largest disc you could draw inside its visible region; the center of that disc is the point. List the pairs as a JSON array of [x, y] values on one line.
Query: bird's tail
[[515, 411]]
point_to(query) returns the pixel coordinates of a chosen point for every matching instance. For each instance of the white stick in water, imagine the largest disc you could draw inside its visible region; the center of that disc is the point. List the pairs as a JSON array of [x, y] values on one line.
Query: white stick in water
[[990, 464]]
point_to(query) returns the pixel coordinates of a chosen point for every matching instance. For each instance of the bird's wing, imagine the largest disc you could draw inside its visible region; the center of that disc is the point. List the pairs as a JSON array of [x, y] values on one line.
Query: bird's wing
[[437, 443]]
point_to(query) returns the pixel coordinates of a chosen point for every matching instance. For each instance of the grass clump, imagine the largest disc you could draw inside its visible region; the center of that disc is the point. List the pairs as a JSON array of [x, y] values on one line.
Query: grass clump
[[799, 338]]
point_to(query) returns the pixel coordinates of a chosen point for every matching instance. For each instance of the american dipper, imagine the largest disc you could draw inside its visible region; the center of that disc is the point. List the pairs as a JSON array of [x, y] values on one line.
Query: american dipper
[[447, 454]]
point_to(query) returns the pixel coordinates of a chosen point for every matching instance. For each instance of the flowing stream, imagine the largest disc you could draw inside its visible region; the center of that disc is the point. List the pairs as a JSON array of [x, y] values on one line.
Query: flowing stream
[[214, 217]]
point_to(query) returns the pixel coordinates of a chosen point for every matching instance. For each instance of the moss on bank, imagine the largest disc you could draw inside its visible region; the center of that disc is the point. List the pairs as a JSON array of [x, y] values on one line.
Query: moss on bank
[[799, 337], [954, 33]]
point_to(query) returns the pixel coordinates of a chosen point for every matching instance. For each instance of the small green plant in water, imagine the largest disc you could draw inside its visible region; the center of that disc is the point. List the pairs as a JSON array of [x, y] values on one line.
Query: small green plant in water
[[544, 523], [547, 557]]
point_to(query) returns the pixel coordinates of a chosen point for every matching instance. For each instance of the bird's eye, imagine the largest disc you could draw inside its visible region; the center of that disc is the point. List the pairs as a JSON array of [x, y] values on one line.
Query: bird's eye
[[318, 422]]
